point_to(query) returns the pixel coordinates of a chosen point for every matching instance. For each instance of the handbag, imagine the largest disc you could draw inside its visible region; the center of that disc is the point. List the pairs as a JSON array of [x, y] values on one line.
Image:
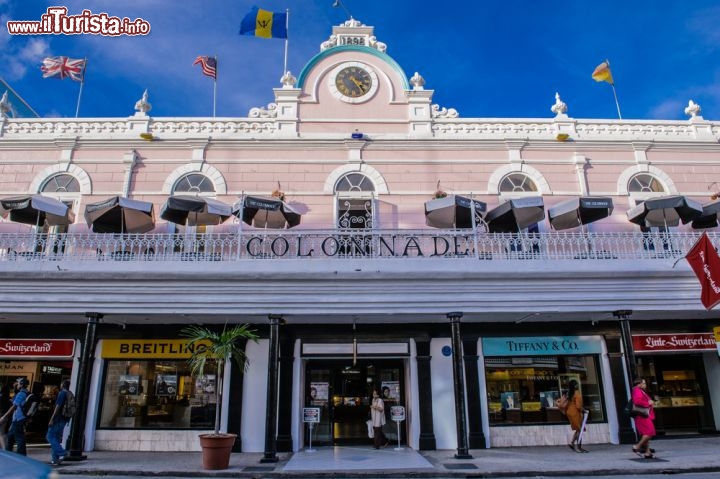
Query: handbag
[[639, 411], [562, 403], [371, 433]]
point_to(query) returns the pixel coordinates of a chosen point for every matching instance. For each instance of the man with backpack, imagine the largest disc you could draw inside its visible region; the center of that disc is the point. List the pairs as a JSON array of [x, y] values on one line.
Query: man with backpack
[[61, 415], [16, 433]]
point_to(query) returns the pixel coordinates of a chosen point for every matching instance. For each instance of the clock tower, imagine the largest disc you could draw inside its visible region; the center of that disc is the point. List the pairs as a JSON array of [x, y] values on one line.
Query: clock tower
[[353, 85]]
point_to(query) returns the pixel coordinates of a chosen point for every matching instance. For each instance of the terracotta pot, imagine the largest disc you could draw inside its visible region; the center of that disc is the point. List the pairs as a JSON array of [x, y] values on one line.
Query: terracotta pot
[[216, 450]]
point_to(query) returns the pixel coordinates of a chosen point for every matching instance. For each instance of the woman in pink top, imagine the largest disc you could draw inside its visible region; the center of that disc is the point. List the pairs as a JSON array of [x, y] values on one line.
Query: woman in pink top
[[643, 425]]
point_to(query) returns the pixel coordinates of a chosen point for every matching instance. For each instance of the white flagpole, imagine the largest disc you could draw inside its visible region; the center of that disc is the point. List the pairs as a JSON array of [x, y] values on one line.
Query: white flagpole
[[82, 82], [215, 86], [287, 34], [616, 100], [612, 84]]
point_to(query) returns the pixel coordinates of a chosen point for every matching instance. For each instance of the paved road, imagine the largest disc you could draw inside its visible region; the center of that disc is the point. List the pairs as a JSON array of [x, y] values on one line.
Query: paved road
[[707, 475]]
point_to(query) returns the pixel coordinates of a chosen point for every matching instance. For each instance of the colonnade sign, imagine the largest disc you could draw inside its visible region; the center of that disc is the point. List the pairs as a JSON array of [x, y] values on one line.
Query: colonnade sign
[[397, 414], [311, 416]]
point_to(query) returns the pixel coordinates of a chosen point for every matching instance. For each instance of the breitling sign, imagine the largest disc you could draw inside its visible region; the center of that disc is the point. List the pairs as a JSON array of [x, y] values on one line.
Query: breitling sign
[[147, 348]]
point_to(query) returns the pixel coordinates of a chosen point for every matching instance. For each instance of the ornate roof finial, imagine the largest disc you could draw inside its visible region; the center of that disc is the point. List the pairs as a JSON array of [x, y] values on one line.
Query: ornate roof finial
[[5, 106], [559, 108], [142, 105], [693, 110], [417, 81], [288, 80]]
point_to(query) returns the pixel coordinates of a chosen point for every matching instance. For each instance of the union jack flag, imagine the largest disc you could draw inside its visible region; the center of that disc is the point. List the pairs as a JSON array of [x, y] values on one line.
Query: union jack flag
[[208, 64], [63, 67]]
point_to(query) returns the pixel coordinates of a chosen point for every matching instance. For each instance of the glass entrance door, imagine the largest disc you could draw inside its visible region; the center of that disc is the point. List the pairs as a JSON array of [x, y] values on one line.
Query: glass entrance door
[[343, 393]]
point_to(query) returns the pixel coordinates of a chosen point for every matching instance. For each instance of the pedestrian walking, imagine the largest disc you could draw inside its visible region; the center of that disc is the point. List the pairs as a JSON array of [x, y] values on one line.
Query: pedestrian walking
[[644, 425], [576, 414], [16, 433], [377, 415], [57, 423]]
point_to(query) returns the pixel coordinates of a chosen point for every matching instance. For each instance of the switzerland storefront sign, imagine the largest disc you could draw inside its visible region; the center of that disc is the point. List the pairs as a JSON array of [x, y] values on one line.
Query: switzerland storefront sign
[[664, 343], [37, 348]]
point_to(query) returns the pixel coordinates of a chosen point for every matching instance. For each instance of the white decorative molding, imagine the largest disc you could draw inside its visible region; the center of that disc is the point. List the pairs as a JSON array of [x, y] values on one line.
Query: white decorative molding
[[664, 178], [373, 174], [438, 112], [79, 174], [469, 129], [208, 170], [353, 33], [496, 177], [262, 112], [445, 124]]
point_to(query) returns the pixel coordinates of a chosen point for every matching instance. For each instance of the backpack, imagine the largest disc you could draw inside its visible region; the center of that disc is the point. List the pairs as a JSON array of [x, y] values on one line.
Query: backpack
[[69, 406], [562, 403], [30, 406]]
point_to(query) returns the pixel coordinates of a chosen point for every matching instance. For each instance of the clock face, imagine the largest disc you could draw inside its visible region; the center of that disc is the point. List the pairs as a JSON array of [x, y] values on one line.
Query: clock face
[[353, 81]]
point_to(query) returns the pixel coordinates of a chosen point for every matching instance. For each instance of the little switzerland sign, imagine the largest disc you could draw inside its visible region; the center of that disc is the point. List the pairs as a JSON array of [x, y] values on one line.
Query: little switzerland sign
[[643, 343], [37, 348]]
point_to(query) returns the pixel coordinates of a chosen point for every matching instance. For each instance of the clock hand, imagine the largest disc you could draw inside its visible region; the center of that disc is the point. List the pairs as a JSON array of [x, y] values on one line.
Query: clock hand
[[357, 83]]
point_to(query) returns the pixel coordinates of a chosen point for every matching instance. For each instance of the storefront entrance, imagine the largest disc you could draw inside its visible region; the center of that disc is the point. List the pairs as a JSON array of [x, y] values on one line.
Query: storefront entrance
[[45, 364], [44, 379], [343, 393], [679, 385]]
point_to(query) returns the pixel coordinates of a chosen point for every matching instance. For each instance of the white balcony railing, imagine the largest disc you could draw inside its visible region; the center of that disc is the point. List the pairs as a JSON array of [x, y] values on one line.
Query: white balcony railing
[[370, 244]]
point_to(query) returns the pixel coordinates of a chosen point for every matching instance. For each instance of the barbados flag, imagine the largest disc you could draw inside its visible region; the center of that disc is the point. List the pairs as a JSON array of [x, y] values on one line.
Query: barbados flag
[[265, 24]]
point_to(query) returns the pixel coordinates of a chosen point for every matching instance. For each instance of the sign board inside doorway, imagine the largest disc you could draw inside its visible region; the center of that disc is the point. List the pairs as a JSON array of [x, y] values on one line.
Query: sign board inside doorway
[[397, 413], [311, 414]]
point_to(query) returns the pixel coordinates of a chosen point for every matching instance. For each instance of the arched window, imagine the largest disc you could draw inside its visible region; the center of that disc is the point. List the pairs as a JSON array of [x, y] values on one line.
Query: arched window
[[355, 195], [62, 183], [66, 188], [645, 183], [517, 183], [194, 183], [354, 182]]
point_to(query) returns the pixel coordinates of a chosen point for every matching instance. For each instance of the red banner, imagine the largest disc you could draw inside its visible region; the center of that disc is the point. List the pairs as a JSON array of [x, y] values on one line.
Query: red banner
[[644, 343], [37, 348], [705, 262]]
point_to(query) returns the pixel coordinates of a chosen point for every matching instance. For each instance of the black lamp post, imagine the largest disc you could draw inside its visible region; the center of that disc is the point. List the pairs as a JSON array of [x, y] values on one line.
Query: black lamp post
[[630, 366], [270, 454], [77, 425], [459, 383], [626, 432]]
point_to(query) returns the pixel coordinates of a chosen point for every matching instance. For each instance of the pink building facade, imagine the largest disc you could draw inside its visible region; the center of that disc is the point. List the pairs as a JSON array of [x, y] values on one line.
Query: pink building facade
[[364, 293]]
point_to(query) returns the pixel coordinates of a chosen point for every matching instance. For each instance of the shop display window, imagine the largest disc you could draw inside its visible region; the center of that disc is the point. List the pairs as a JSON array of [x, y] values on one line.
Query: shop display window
[[524, 390], [157, 395]]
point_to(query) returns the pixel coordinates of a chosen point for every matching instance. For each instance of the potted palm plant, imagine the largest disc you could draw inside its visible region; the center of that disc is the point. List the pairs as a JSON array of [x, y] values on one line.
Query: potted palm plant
[[212, 349]]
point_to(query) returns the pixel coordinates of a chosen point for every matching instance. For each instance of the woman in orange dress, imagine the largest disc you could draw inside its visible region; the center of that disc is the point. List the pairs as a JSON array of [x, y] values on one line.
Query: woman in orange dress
[[575, 411]]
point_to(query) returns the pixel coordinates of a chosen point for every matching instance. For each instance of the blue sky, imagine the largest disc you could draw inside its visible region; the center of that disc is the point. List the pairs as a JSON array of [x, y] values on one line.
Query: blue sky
[[488, 59]]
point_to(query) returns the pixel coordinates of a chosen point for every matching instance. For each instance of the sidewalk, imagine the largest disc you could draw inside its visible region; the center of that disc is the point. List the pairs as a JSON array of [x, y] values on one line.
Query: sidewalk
[[693, 454]]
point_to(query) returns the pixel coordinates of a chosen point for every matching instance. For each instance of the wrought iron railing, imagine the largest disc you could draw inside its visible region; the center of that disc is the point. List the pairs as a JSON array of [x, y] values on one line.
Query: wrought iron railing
[[353, 244]]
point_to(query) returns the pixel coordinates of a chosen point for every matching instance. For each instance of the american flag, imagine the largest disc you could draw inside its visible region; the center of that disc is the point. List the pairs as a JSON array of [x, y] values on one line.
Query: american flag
[[208, 64], [63, 67]]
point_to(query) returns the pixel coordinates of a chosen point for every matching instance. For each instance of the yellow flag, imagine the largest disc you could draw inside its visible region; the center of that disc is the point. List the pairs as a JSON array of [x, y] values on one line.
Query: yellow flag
[[603, 73]]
